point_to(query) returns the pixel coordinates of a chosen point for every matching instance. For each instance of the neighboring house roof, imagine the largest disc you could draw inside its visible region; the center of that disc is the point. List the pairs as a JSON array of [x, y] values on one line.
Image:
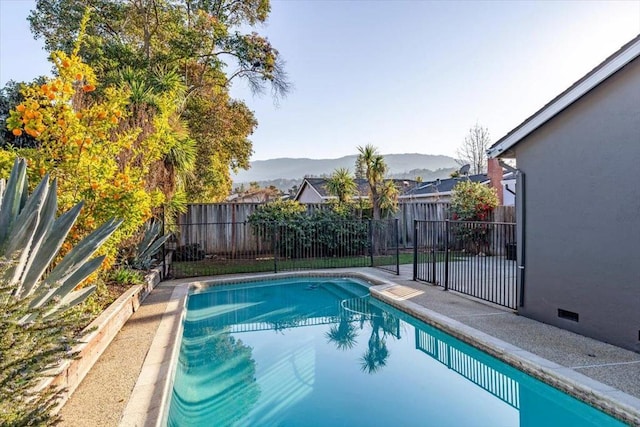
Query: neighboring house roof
[[319, 186], [606, 69], [316, 185], [441, 187], [258, 196]]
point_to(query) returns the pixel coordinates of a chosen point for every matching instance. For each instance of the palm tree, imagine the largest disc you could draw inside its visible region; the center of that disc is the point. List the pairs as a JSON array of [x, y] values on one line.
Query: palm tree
[[388, 197], [374, 168], [342, 185], [155, 92]]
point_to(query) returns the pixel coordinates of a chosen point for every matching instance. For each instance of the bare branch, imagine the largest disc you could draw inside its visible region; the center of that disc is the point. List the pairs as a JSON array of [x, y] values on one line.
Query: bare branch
[[473, 150]]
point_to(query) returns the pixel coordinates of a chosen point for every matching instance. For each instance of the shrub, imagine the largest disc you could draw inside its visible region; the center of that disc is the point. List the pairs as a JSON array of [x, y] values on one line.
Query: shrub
[[279, 210], [293, 233], [339, 235], [125, 276], [472, 201]]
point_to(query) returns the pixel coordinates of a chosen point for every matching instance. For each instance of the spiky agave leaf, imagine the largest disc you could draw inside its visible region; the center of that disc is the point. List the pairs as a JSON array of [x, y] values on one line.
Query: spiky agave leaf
[[149, 245], [81, 253], [151, 231], [31, 237], [46, 293], [12, 199], [71, 299], [155, 247], [43, 205], [45, 254], [18, 249]]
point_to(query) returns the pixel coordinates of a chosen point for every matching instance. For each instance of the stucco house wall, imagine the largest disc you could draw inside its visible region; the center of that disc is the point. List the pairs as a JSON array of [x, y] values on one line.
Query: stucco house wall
[[582, 213], [308, 195]]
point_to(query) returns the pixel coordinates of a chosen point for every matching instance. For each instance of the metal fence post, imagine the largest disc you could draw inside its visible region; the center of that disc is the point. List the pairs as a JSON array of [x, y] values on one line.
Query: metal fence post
[[415, 249], [446, 255], [397, 221], [164, 253], [276, 229], [434, 253], [371, 241]]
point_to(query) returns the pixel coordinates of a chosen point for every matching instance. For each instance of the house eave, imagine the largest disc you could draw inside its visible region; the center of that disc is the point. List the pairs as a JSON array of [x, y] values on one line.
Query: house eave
[[306, 183], [598, 75], [299, 192]]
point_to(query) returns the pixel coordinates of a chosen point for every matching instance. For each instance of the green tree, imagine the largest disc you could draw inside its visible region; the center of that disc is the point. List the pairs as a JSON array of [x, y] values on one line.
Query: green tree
[[375, 169], [163, 146], [222, 127], [197, 40], [388, 198], [293, 190], [341, 185], [197, 35]]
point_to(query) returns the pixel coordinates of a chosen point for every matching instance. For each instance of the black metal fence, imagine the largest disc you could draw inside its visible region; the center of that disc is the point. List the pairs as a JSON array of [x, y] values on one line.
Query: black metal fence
[[385, 244], [474, 258], [203, 249]]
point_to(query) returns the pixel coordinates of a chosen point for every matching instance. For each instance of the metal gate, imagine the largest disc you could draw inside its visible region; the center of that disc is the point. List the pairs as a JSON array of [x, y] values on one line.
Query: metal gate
[[471, 257]]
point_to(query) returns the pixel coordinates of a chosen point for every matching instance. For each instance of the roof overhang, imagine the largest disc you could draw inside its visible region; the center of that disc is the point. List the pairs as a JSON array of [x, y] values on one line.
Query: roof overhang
[[603, 71], [306, 183]]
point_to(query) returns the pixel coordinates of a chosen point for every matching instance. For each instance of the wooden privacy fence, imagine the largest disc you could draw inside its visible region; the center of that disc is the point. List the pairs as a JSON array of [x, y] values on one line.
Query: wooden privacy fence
[[210, 224], [221, 248], [211, 213]]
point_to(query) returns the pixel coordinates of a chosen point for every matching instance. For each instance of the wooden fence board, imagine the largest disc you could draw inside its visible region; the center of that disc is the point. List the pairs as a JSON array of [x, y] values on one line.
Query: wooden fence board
[[227, 238]]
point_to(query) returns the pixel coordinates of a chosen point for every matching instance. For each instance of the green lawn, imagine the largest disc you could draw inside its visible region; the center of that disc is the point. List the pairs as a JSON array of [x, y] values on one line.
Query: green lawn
[[216, 266], [213, 267]]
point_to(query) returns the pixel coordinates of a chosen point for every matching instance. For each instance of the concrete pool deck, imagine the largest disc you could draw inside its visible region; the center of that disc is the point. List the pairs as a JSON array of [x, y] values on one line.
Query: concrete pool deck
[[140, 355]]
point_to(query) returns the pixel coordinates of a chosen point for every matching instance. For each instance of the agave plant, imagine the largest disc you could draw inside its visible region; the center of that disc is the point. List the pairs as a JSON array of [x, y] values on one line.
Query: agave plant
[[149, 245], [31, 236]]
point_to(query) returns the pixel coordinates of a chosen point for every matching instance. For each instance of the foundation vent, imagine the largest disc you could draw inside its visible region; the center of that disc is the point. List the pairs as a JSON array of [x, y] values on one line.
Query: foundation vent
[[569, 315]]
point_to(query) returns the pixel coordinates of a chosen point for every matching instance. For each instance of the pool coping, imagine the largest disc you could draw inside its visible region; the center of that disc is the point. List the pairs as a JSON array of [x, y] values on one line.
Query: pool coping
[[147, 405]]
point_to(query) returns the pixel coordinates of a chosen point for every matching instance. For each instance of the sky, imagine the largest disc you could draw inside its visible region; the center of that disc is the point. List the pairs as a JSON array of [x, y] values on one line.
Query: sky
[[405, 76]]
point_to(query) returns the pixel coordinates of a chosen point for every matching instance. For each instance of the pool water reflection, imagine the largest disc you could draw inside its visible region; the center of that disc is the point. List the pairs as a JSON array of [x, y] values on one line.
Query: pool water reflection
[[321, 352]]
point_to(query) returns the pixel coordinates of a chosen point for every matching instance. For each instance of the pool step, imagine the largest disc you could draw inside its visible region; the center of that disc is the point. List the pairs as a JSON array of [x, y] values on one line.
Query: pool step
[[339, 290]]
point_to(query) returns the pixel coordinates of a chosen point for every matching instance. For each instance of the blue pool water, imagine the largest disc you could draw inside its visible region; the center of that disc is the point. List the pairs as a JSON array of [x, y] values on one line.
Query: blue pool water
[[320, 352]]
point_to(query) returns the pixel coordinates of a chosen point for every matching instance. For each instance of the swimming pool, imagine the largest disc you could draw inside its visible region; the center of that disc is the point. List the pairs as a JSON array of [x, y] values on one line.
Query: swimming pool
[[320, 352]]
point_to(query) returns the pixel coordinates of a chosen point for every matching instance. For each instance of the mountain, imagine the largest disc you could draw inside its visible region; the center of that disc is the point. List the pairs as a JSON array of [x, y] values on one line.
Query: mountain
[[296, 169]]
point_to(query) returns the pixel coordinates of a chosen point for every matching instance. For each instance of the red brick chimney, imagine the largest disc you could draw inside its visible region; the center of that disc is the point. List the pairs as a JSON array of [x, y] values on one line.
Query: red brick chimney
[[494, 171]]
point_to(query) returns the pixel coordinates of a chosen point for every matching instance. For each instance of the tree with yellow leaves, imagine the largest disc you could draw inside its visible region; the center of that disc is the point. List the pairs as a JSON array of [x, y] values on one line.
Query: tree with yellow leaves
[[80, 143]]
